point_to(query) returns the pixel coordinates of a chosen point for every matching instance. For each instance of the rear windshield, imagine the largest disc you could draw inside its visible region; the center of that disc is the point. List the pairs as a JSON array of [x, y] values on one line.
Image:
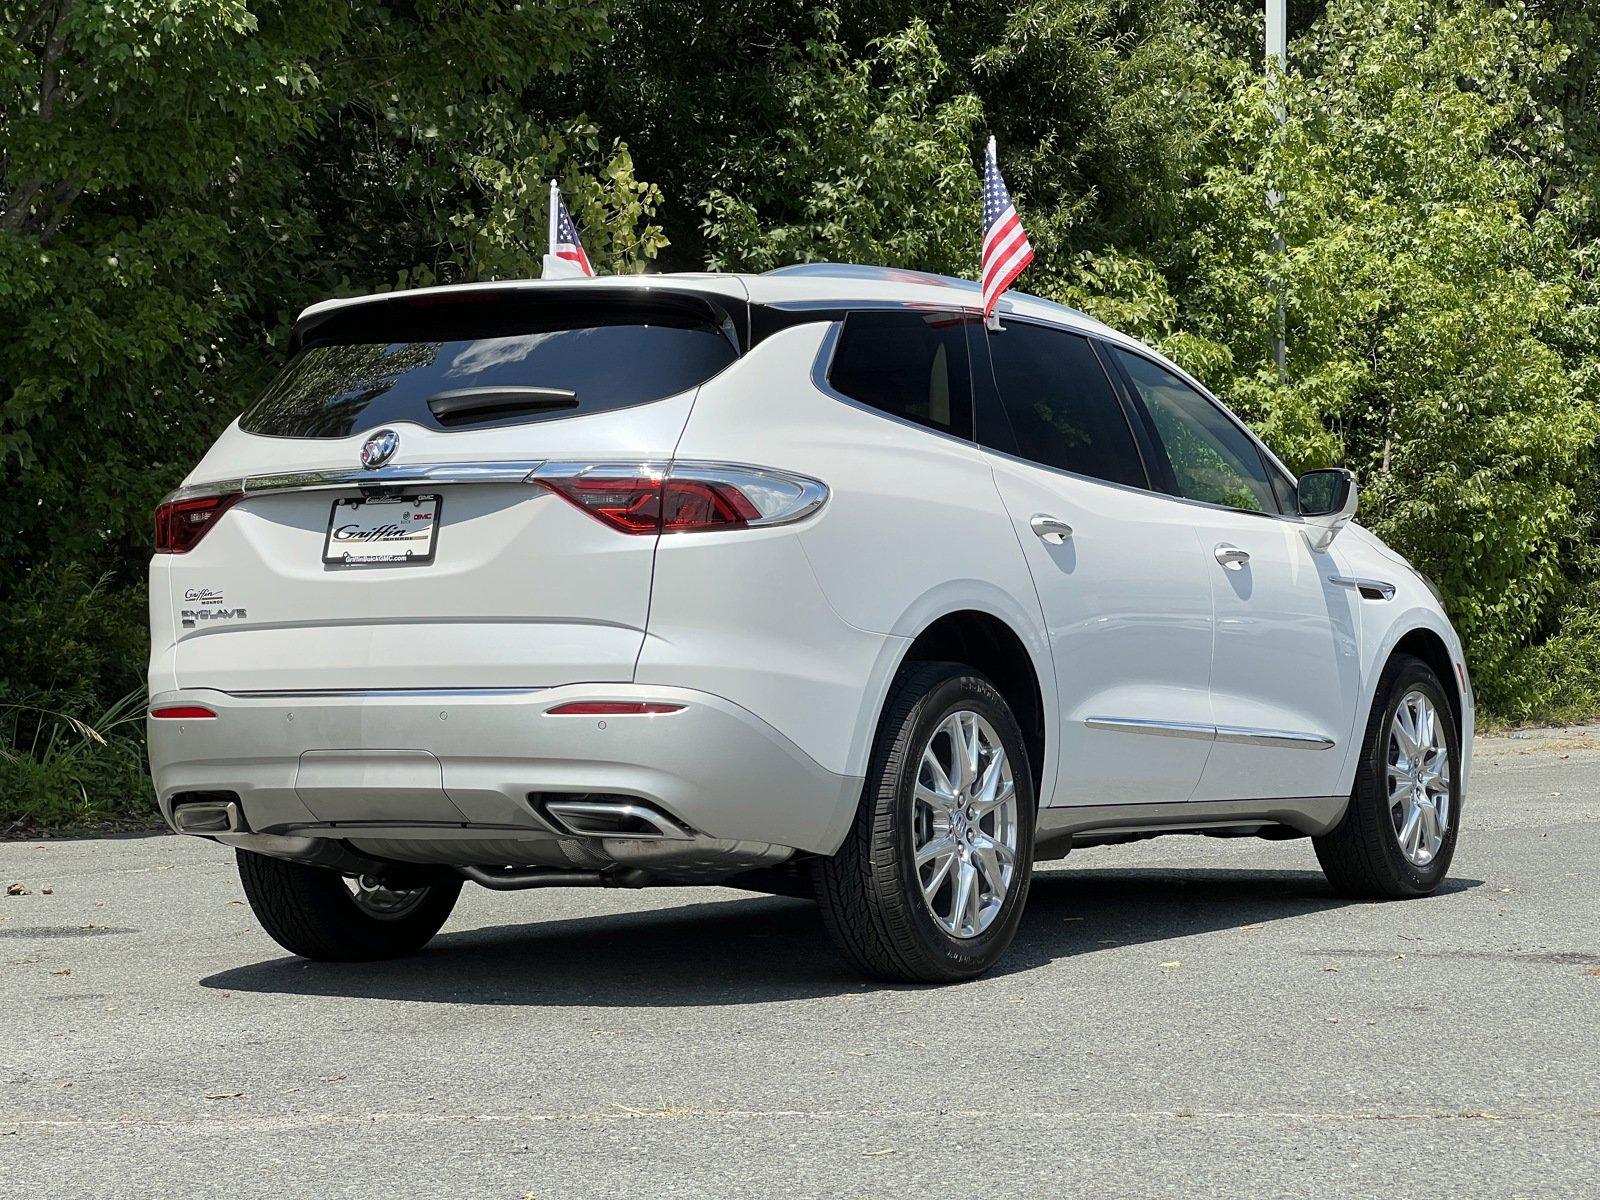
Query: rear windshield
[[548, 368]]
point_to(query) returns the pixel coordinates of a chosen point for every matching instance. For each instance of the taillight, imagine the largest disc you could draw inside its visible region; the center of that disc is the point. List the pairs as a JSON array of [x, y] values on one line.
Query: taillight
[[687, 497], [182, 522]]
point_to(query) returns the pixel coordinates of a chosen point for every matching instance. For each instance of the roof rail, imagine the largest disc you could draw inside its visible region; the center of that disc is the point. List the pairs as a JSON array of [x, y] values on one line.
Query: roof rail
[[831, 270]]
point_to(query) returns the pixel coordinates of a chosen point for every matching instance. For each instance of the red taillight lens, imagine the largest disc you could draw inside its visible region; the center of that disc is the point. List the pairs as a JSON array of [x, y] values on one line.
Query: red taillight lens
[[612, 708], [629, 503], [180, 524], [646, 504], [182, 712]]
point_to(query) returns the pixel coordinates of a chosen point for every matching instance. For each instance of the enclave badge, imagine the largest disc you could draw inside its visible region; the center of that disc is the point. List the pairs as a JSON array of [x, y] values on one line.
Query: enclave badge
[[379, 449]]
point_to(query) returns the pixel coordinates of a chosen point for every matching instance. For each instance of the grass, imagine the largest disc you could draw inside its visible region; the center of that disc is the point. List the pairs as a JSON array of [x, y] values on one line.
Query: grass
[[60, 772]]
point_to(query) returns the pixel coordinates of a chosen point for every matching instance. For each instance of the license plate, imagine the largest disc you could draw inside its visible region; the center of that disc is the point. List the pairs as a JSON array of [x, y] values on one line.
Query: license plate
[[386, 530]]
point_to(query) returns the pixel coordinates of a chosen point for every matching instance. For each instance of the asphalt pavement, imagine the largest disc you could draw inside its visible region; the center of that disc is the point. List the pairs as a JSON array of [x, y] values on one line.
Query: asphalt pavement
[[1180, 1017]]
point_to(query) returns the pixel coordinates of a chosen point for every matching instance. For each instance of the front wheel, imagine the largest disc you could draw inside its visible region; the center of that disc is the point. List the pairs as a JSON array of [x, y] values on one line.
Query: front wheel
[[930, 883], [1399, 833], [321, 914]]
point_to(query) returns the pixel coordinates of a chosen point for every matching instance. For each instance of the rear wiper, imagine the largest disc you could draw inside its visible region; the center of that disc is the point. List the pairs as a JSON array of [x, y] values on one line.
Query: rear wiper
[[480, 403]]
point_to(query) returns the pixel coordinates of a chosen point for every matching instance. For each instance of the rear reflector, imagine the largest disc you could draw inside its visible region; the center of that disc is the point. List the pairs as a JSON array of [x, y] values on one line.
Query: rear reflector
[[612, 708], [182, 712], [180, 524]]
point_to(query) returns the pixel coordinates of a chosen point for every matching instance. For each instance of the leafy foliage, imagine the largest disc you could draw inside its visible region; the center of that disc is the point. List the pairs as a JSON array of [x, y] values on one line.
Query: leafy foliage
[[179, 177]]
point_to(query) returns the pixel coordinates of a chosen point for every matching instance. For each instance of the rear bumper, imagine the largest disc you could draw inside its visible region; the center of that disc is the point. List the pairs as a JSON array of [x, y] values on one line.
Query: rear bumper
[[436, 765]]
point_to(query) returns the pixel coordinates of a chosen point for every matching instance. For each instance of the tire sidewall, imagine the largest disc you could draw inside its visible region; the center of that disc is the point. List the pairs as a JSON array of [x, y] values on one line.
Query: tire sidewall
[[967, 691], [1372, 788]]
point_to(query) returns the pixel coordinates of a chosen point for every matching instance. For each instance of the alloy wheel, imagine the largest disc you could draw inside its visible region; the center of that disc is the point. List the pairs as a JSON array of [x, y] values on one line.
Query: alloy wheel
[[964, 826], [385, 903], [1419, 778]]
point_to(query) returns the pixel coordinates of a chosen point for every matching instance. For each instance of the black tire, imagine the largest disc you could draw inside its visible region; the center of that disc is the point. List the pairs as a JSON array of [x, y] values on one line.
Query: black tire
[[310, 911], [869, 892], [1361, 856]]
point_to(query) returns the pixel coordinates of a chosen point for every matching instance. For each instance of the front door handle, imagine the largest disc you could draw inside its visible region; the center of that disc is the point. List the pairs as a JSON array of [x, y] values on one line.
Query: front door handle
[[1231, 557], [1050, 530]]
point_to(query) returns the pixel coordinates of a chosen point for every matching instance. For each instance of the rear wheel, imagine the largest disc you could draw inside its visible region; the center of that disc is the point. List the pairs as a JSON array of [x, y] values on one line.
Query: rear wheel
[[1399, 833], [320, 914], [930, 883]]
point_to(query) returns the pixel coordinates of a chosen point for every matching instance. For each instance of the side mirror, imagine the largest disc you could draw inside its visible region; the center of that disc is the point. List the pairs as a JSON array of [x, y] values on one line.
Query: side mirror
[[1327, 501]]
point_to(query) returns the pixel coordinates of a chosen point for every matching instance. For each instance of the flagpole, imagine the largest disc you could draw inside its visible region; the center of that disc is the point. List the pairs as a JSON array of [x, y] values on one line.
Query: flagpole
[[555, 203]]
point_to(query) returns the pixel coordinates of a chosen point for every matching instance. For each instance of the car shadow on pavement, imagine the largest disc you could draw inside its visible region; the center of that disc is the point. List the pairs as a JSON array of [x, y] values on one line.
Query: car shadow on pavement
[[760, 949]]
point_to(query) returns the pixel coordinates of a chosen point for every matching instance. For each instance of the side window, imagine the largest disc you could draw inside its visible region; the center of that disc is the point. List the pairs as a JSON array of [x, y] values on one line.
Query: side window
[[1062, 410], [912, 365], [1212, 459]]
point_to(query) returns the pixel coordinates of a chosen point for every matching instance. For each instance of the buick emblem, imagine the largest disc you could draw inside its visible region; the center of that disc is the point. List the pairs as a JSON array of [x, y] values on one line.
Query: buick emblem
[[379, 449]]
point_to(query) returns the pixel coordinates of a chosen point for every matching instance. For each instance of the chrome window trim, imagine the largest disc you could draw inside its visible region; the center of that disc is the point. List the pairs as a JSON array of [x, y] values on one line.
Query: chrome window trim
[[1288, 739]]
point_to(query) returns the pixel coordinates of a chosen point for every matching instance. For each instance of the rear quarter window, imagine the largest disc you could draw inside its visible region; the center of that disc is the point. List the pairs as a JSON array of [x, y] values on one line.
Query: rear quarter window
[[506, 369], [911, 365]]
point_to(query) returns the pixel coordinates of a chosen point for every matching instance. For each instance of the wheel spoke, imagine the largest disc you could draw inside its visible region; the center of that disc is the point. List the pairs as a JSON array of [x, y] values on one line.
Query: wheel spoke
[[996, 789], [1431, 831], [939, 847], [940, 870], [960, 897], [943, 789], [1408, 831], [993, 873]]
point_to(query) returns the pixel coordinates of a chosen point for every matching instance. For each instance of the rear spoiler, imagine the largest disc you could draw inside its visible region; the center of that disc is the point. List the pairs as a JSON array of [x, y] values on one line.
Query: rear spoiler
[[451, 314]]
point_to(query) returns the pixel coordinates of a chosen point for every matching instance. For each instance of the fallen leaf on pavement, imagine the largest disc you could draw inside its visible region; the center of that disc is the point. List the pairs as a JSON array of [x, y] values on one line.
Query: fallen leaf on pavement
[[16, 889], [876, 1153], [222, 1096], [1331, 970], [47, 891], [63, 971], [1591, 970]]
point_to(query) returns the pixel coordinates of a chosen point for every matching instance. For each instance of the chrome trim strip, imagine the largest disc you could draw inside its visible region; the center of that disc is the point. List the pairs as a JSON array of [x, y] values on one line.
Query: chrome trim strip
[[1287, 739], [1382, 586], [1179, 729], [358, 477]]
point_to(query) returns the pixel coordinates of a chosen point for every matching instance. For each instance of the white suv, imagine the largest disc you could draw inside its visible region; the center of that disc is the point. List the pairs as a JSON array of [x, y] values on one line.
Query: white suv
[[806, 582]]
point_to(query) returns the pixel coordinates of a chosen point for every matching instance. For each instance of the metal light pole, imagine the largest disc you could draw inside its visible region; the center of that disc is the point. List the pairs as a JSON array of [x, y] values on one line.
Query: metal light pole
[[1277, 52]]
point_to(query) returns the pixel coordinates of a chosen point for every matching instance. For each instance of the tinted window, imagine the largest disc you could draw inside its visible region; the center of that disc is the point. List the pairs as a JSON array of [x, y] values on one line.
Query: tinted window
[[335, 390], [1062, 410], [910, 364], [1212, 458]]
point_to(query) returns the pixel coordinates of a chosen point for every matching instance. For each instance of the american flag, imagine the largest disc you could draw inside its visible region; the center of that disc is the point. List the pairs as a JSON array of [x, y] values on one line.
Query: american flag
[[567, 245], [1006, 251]]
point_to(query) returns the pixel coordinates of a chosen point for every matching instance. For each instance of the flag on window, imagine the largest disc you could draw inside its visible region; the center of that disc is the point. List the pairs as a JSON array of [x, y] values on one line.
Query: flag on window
[[566, 259], [1006, 250]]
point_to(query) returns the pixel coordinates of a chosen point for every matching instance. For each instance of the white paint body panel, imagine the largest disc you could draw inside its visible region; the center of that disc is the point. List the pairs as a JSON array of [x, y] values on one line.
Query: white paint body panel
[[790, 635]]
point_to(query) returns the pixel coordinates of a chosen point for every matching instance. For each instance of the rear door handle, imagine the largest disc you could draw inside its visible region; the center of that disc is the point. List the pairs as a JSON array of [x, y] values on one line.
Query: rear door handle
[[1231, 557], [1049, 529]]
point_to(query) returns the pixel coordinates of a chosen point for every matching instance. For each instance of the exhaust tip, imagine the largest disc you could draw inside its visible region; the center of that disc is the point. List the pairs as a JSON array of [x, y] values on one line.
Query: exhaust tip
[[603, 815], [216, 813]]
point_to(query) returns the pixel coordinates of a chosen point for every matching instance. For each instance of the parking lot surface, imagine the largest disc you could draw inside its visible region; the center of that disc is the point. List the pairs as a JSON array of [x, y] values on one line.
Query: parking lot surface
[[1184, 1016]]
